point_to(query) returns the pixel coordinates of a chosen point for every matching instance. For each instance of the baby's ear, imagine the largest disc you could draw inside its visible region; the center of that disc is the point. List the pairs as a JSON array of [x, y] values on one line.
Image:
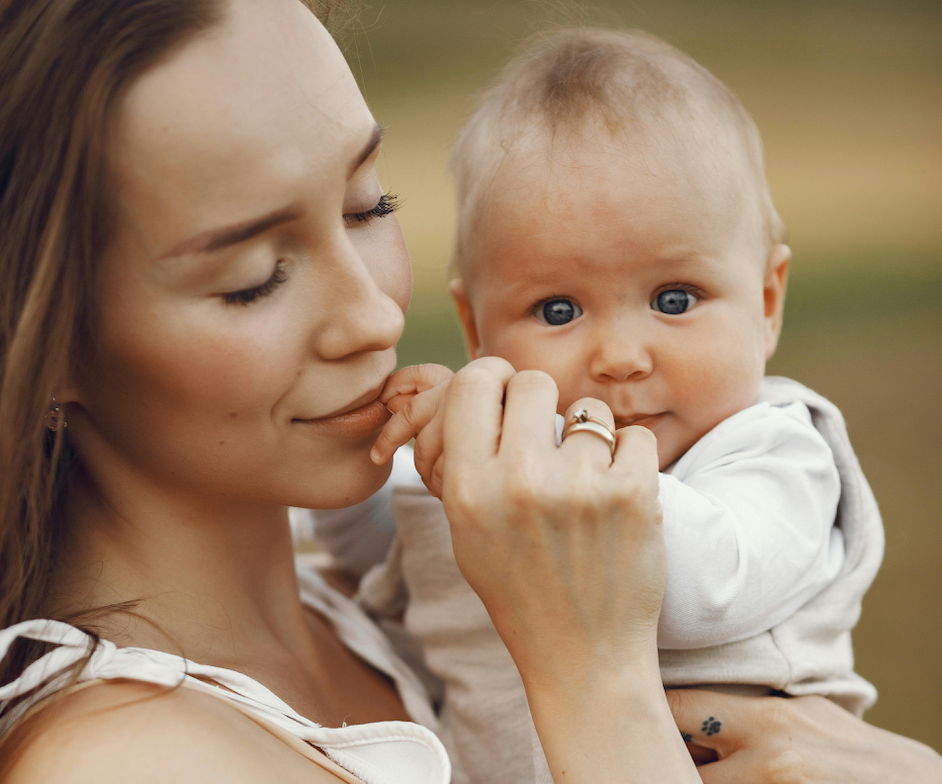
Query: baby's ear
[[472, 341], [776, 281]]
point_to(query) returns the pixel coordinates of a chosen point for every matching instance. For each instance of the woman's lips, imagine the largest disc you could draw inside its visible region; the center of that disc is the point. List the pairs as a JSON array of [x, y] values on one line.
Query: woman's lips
[[351, 424]]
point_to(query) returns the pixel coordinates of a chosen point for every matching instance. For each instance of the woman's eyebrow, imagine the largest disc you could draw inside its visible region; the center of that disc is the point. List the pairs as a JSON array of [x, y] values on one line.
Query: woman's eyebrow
[[375, 138], [216, 239]]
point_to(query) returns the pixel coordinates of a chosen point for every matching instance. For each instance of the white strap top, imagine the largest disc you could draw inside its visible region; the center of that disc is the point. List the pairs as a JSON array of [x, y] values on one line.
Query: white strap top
[[389, 752]]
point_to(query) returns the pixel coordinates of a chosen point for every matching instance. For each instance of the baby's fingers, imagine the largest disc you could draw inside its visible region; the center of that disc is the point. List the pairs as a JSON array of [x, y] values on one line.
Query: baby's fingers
[[429, 446], [413, 379], [396, 403], [407, 423]]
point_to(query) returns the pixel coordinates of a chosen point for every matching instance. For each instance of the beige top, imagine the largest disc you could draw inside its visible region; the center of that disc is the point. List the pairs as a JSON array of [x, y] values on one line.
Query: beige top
[[390, 752]]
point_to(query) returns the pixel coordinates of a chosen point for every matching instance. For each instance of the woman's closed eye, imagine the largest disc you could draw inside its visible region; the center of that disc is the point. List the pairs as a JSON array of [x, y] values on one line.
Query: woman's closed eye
[[673, 302], [386, 205], [557, 311], [248, 296]]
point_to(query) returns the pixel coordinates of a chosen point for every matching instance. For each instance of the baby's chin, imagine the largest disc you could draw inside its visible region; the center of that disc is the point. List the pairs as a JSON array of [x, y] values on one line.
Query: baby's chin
[[671, 445]]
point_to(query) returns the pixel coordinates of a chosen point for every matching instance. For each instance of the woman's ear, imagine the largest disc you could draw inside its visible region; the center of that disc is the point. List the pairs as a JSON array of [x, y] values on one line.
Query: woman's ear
[[773, 291], [68, 393], [472, 341]]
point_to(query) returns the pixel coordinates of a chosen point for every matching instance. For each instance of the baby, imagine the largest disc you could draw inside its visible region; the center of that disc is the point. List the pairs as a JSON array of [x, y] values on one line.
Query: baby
[[616, 231]]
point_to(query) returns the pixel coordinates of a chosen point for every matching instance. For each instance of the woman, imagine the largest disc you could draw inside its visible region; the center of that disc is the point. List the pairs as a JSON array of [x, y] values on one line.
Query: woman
[[202, 291]]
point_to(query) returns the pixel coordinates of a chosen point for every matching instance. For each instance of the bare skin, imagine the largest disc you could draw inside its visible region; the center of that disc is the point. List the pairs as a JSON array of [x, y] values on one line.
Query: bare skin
[[786, 741]]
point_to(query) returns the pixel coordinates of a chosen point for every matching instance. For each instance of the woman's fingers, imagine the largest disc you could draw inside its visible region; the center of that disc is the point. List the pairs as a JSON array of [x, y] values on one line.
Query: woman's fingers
[[711, 724], [712, 719], [474, 411], [591, 443], [636, 457], [742, 769], [776, 740], [529, 414], [755, 738]]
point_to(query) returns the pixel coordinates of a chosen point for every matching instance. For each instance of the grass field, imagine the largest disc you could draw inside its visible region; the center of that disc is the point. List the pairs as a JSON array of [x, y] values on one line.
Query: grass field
[[848, 96]]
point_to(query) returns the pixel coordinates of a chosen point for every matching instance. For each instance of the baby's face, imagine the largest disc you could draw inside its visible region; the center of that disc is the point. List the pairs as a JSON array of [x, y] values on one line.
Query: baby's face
[[625, 281]]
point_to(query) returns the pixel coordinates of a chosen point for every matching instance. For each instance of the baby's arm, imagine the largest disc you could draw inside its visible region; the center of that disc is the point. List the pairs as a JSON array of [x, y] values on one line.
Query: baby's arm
[[358, 537], [748, 523]]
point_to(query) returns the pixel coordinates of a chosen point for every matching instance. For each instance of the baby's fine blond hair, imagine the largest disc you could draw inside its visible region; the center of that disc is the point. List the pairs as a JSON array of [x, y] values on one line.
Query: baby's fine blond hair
[[633, 87]]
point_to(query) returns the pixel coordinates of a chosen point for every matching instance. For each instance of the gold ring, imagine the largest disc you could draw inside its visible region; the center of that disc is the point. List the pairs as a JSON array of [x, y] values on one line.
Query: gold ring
[[583, 422], [581, 415]]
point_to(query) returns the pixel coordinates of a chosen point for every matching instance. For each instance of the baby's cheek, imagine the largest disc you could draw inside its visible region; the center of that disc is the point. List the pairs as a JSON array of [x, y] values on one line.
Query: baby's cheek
[[711, 386]]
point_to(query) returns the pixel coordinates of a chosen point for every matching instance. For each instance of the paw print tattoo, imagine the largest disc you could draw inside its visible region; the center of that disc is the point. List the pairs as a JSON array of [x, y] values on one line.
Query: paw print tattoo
[[711, 726], [688, 738]]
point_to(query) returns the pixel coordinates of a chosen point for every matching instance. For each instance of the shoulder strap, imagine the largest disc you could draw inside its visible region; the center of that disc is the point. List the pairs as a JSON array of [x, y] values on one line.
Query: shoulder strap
[[306, 749], [312, 753]]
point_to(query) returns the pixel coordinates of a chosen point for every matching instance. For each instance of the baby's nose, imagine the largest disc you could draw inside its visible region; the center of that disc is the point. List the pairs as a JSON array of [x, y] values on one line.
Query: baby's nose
[[620, 359]]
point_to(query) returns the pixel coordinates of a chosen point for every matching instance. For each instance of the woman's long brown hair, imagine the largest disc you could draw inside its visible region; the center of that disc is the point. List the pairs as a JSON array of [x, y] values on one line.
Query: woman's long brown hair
[[64, 67]]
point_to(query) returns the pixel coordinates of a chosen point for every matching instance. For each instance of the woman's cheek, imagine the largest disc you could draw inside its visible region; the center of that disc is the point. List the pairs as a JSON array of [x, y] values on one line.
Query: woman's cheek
[[252, 363], [236, 358]]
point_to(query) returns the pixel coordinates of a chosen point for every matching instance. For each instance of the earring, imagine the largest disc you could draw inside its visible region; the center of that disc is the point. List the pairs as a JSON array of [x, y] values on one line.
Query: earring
[[55, 418]]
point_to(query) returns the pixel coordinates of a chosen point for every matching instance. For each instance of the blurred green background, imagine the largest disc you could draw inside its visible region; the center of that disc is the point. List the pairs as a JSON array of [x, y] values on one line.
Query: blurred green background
[[848, 96]]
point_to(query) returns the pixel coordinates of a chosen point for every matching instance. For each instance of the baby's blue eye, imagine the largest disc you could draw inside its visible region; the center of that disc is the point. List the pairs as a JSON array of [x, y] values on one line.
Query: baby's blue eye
[[674, 302], [557, 312]]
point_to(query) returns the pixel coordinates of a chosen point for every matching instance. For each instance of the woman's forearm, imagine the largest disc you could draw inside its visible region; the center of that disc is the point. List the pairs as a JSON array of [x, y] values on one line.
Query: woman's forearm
[[611, 729], [564, 546]]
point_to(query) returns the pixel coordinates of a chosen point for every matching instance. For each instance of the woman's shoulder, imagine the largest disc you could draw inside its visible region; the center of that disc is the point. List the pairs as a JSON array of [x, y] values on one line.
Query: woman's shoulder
[[126, 730]]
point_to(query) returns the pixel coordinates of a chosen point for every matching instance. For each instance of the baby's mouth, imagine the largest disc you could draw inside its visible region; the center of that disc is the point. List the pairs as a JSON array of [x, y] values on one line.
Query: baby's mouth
[[643, 420]]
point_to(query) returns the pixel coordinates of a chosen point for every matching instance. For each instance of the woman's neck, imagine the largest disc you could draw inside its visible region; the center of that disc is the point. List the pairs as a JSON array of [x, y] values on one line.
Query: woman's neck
[[210, 578]]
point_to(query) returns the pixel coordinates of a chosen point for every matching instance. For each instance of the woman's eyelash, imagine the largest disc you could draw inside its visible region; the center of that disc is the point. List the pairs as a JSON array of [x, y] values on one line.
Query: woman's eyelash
[[247, 296], [387, 205]]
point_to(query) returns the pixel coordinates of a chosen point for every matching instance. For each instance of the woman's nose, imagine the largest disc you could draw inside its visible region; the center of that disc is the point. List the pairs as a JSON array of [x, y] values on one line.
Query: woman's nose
[[361, 316], [620, 354]]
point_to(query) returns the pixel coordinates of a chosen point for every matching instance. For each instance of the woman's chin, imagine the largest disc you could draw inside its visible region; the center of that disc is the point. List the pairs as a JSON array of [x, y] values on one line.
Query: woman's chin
[[345, 485]]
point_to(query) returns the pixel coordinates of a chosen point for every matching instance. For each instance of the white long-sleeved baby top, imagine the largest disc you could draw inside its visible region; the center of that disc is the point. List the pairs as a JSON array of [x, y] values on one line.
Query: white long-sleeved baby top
[[772, 537]]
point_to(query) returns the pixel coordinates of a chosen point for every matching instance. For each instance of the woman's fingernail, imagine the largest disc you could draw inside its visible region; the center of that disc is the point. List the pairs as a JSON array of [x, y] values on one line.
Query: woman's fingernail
[[375, 456]]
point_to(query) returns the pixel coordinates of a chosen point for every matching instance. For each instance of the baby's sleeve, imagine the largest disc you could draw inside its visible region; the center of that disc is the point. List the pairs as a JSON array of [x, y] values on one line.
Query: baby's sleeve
[[358, 537], [749, 517]]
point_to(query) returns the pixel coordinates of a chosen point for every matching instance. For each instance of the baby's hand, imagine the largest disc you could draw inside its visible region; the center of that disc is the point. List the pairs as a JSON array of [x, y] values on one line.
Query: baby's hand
[[416, 396]]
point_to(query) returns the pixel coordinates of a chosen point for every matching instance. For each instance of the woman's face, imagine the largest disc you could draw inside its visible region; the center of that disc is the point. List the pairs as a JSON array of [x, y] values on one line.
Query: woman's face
[[255, 287]]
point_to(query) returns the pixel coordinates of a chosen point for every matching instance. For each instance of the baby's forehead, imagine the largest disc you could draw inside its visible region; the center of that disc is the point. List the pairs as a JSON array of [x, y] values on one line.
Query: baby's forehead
[[658, 117], [594, 177]]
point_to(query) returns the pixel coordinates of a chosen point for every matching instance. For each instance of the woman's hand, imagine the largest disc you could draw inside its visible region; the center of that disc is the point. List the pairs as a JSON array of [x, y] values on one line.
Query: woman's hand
[[564, 547], [582, 525], [774, 740]]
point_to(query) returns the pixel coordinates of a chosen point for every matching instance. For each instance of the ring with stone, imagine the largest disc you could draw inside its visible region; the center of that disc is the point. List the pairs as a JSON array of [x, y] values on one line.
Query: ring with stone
[[582, 421]]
